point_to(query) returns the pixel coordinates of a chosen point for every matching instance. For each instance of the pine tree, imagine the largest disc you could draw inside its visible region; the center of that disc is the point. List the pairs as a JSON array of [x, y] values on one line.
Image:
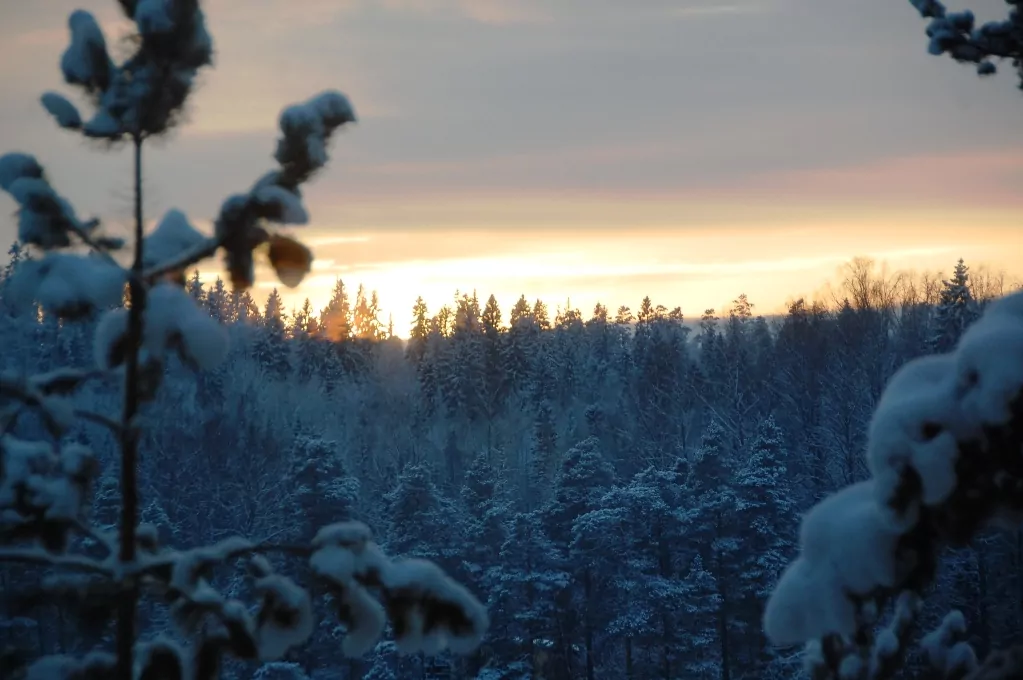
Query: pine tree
[[421, 522], [218, 302], [583, 479], [768, 516], [702, 660], [956, 310], [323, 491], [269, 348], [543, 452], [336, 317], [541, 317], [528, 579], [521, 344]]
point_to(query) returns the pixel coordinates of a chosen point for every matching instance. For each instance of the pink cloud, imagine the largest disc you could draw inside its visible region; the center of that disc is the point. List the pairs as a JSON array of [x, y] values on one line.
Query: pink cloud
[[992, 177]]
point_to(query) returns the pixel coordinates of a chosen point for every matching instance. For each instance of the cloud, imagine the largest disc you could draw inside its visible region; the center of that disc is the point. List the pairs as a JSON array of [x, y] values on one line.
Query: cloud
[[991, 177]]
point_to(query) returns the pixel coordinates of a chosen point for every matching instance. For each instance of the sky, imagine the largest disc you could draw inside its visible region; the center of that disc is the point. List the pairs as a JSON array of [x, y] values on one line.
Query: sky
[[573, 150]]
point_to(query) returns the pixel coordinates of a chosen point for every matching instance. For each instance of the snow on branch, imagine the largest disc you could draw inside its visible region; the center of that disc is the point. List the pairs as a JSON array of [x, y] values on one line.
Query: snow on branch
[[46, 485], [44, 491], [241, 226], [956, 34], [45, 219], [142, 96], [943, 451], [172, 323]]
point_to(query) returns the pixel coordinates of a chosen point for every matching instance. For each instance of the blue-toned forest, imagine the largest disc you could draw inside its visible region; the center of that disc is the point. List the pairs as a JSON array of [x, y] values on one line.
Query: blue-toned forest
[[621, 488]]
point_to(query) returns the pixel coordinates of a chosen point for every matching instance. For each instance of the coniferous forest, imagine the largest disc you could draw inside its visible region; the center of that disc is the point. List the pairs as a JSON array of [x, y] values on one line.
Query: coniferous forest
[[196, 484], [622, 489]]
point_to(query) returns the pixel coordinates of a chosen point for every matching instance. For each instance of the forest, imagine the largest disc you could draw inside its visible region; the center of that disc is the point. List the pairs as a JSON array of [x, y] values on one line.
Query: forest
[[622, 490], [196, 484]]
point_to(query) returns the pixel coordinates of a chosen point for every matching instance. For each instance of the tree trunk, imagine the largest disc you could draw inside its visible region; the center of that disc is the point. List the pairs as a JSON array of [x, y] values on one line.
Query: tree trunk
[[982, 597], [126, 612], [588, 624]]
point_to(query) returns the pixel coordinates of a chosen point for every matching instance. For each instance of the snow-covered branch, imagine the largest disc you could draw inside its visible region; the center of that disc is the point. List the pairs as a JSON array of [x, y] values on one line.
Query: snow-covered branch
[[46, 488], [943, 451], [957, 34], [142, 96], [240, 227]]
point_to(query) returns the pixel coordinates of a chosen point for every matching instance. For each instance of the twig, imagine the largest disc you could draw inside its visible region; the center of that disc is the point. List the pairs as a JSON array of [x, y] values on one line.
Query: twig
[[31, 556], [100, 419], [200, 252], [95, 535], [89, 241]]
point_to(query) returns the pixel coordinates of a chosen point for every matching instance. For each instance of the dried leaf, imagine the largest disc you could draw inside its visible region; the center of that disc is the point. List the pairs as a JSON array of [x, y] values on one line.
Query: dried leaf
[[290, 259]]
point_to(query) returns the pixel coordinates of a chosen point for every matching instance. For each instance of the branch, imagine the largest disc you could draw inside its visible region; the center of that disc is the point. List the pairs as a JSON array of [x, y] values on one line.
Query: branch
[[89, 241], [34, 556], [115, 427], [186, 259]]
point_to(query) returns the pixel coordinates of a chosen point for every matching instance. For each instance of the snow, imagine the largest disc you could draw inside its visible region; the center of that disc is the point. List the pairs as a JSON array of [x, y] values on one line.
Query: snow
[[61, 108], [44, 217], [929, 8], [103, 125], [914, 427], [946, 648], [21, 460], [848, 540], [153, 17], [365, 619], [39, 482], [887, 644], [173, 236], [280, 205], [60, 381], [16, 165], [188, 565], [851, 668], [280, 670], [438, 611], [107, 339], [172, 320], [288, 620], [68, 284], [59, 667], [846, 547], [303, 124], [333, 108], [345, 552], [31, 192], [307, 127], [86, 62], [990, 367]]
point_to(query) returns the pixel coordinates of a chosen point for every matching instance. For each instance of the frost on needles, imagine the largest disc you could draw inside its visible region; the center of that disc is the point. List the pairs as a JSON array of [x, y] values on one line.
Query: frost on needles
[[78, 272]]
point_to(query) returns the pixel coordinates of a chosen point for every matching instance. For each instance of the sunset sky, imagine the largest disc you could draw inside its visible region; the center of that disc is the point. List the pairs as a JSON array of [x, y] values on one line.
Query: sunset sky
[[689, 150]]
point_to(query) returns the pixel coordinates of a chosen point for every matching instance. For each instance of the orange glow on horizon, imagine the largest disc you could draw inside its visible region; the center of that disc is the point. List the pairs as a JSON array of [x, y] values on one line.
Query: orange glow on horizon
[[695, 268]]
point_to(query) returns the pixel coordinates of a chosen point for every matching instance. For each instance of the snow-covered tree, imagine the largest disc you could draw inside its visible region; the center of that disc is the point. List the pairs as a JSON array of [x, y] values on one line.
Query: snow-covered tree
[[47, 479], [955, 311]]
